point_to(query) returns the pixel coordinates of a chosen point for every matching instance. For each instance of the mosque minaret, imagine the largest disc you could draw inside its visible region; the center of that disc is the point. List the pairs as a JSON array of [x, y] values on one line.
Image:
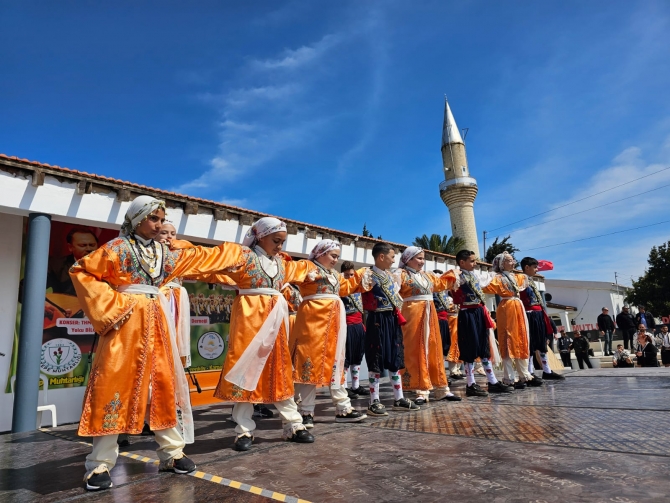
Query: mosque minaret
[[459, 189]]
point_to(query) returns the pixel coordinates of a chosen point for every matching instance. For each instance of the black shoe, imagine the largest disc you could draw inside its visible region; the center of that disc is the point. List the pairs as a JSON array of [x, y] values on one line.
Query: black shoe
[[405, 405], [243, 443], [553, 376], [421, 401], [99, 481], [377, 409], [475, 390], [535, 382], [500, 387], [456, 377], [122, 440], [301, 437], [362, 391], [146, 430], [353, 417], [519, 385], [351, 394], [261, 410], [452, 398], [308, 421], [182, 465]]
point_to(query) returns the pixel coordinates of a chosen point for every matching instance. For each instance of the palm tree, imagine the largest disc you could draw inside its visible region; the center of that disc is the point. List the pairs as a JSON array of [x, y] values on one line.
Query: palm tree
[[443, 244]]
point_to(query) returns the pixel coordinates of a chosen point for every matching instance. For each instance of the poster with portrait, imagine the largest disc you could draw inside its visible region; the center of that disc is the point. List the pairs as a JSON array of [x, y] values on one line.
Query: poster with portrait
[[67, 338]]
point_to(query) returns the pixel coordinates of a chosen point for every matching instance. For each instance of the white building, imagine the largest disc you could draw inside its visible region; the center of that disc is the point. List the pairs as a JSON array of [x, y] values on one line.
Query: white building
[[76, 197], [589, 298]]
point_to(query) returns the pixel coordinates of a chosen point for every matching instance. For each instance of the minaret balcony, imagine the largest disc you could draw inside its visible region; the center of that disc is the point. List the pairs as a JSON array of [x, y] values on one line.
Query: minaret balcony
[[462, 180]]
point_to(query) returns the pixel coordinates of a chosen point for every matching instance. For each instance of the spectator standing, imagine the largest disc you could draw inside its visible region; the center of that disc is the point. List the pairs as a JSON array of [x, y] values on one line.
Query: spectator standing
[[564, 344], [646, 351], [626, 323], [621, 358], [581, 346], [645, 318], [665, 346], [606, 327]]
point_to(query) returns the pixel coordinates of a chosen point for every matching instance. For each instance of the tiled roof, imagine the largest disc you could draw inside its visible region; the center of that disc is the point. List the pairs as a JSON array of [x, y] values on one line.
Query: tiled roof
[[561, 306], [83, 175]]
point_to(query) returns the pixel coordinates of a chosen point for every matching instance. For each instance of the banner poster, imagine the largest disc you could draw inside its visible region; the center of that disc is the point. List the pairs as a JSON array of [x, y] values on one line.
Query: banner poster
[[68, 336]]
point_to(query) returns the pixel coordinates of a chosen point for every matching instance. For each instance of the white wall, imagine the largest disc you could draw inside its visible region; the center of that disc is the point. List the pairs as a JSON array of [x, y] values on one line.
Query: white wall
[[589, 303]]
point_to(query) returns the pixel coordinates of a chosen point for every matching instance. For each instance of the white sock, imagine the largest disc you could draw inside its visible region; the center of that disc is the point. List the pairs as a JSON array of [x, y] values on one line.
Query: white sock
[[374, 386], [545, 363], [355, 370], [488, 368], [531, 367], [397, 385], [346, 384], [469, 372]]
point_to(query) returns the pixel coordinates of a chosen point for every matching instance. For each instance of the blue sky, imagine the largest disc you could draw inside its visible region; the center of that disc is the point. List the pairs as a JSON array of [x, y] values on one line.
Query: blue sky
[[331, 112]]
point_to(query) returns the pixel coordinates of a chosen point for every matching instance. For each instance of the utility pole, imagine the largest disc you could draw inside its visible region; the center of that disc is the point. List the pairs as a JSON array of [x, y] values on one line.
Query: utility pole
[[484, 254], [616, 281]]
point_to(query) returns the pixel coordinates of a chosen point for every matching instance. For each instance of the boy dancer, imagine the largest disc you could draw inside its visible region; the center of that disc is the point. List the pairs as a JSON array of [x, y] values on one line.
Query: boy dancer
[[539, 324], [353, 306], [383, 338], [474, 322]]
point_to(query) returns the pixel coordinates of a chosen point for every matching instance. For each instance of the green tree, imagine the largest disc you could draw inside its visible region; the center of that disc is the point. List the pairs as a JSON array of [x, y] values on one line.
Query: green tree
[[497, 248], [443, 244], [366, 232], [652, 290]]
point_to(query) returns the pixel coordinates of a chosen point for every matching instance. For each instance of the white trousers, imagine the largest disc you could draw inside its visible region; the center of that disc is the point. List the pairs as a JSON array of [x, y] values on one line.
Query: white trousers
[[307, 394], [509, 364], [288, 411], [106, 450], [440, 392], [454, 368]]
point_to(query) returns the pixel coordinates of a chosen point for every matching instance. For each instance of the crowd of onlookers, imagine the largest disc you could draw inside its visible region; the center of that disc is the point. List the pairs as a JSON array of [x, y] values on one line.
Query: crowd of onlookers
[[639, 332]]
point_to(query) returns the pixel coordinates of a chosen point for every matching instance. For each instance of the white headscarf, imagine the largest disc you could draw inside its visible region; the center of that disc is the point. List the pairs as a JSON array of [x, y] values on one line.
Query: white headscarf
[[409, 254], [263, 227], [323, 247], [139, 209], [498, 261]]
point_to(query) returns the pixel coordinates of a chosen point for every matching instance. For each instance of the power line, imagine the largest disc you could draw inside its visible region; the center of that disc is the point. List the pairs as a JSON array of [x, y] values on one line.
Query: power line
[[582, 199], [589, 209], [600, 236]]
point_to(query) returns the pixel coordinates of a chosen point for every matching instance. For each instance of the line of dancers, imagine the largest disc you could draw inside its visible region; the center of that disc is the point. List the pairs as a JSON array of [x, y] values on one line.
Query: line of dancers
[[295, 325]]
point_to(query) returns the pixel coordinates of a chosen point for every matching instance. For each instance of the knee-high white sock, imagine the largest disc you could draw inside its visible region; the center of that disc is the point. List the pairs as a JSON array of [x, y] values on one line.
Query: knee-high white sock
[[397, 385], [345, 384], [374, 377], [355, 370], [469, 372], [545, 363], [531, 367], [488, 368]]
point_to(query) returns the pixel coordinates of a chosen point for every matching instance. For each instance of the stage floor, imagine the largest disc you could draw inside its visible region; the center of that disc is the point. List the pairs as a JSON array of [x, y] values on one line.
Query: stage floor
[[600, 435]]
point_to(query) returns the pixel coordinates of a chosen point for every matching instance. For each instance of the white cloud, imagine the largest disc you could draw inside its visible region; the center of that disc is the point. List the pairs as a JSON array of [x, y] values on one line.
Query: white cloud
[[295, 58]]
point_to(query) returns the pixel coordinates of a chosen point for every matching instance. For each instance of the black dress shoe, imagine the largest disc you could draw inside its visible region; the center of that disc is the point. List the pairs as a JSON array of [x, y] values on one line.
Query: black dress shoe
[[352, 417], [301, 437], [421, 401], [99, 481], [351, 394], [553, 376], [456, 377], [362, 391], [535, 382], [181, 466], [500, 387], [308, 421], [519, 385], [243, 443], [452, 398], [475, 390]]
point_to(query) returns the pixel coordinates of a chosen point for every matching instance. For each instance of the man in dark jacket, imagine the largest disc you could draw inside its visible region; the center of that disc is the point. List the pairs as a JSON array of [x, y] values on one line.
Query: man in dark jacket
[[564, 344], [626, 323], [645, 318], [606, 327], [581, 346]]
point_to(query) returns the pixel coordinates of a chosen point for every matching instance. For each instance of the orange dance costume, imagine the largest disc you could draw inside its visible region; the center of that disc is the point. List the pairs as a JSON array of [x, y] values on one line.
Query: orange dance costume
[[424, 358], [318, 340]]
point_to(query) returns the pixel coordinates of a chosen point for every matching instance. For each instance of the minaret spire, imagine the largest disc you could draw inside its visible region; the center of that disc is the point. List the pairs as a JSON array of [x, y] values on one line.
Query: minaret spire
[[459, 189]]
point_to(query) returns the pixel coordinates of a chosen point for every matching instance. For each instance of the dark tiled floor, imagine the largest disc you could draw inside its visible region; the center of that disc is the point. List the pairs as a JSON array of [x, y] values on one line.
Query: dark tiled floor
[[576, 440]]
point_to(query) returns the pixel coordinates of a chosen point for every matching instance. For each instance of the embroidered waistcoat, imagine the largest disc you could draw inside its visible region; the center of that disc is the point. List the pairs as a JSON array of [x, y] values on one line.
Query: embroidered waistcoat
[[353, 303]]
